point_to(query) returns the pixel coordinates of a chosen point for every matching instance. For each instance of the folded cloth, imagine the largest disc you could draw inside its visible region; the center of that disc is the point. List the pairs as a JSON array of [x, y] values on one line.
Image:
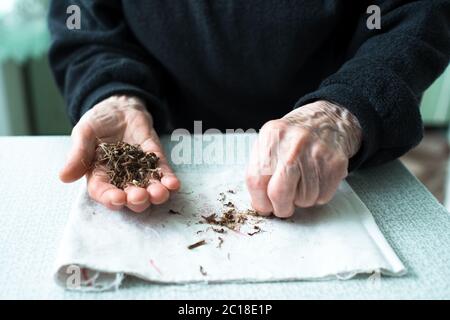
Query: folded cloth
[[183, 241]]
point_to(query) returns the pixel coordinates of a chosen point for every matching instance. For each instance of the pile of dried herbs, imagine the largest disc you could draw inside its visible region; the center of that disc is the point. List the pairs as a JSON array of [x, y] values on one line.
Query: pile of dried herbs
[[127, 164]]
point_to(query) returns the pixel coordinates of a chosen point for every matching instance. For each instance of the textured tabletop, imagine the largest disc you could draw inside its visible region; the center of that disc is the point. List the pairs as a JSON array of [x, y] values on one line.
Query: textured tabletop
[[34, 207]]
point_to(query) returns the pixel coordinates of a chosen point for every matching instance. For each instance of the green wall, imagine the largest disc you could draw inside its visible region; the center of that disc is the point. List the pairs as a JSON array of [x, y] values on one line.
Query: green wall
[[48, 108]]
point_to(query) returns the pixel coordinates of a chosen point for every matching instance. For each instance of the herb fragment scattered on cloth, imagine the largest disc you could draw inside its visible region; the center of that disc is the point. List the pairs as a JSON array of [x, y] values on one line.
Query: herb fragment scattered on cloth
[[127, 164], [197, 244], [220, 230], [220, 242], [257, 230], [229, 218], [202, 271]]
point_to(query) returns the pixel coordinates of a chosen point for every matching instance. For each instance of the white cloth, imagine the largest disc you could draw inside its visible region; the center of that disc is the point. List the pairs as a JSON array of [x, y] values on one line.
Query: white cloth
[[340, 239]]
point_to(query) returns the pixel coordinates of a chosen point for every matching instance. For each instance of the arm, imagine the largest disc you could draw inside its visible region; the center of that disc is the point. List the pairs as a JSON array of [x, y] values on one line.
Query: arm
[[386, 72], [100, 59], [371, 101], [109, 83]]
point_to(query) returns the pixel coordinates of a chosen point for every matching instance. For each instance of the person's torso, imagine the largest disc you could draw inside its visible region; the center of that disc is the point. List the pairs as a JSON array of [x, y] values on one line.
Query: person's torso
[[236, 63]]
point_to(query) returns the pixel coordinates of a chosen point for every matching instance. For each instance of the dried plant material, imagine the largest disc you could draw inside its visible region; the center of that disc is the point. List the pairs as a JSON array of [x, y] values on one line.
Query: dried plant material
[[197, 244], [219, 230], [231, 191], [202, 271], [230, 218], [174, 212], [229, 204], [220, 242], [211, 219], [126, 164], [257, 230], [253, 213]]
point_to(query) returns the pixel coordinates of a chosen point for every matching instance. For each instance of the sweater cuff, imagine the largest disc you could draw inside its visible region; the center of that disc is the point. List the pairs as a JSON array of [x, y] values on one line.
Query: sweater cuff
[[152, 103], [344, 96]]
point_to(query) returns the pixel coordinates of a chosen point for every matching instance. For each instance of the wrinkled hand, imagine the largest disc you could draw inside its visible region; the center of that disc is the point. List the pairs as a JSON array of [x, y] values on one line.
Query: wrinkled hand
[[118, 118], [300, 159]]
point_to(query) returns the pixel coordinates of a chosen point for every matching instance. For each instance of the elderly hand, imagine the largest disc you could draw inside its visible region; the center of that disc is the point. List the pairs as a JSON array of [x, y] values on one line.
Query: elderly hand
[[118, 118], [300, 159]]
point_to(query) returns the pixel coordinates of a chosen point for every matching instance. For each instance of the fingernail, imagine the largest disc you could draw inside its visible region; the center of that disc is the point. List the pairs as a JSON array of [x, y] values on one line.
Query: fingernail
[[118, 204]]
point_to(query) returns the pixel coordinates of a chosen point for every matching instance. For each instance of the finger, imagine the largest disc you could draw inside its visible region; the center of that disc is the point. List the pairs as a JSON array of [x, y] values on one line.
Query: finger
[[328, 191], [138, 199], [103, 192], [257, 184], [282, 189], [80, 155], [268, 147], [169, 179], [308, 187], [158, 193], [257, 187]]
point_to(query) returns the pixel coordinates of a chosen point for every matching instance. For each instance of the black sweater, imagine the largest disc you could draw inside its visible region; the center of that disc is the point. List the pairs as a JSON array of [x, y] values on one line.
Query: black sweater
[[240, 63]]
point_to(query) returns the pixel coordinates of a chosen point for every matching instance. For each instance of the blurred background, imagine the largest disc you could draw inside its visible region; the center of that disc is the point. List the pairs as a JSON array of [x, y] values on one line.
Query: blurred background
[[30, 104]]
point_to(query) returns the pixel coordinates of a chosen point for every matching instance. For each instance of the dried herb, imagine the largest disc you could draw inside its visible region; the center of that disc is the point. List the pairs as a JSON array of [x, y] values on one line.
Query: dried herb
[[211, 219], [231, 191], [197, 244], [253, 213], [258, 230], [202, 271], [174, 212], [221, 230], [230, 219], [126, 164], [220, 242]]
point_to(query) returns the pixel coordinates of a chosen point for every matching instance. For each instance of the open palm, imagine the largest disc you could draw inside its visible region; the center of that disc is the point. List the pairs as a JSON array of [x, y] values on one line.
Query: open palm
[[118, 118]]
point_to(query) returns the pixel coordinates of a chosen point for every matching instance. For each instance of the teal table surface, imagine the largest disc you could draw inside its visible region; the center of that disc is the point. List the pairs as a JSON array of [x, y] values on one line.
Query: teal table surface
[[34, 208]]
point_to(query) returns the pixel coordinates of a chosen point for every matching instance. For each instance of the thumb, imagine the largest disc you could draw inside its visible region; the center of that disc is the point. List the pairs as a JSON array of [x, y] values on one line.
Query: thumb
[[81, 154]]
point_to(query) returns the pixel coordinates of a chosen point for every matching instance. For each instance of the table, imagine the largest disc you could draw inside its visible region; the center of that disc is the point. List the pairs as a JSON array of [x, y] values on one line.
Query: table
[[34, 207]]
